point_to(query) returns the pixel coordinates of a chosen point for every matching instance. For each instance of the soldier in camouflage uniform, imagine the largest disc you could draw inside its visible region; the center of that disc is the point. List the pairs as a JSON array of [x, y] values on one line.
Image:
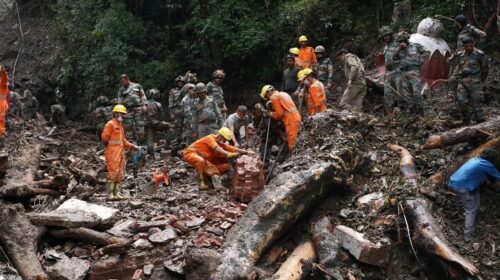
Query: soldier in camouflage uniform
[[103, 113], [392, 73], [207, 118], [214, 89], [465, 29], [153, 119], [354, 71], [29, 107], [132, 96], [324, 70], [467, 78], [187, 114], [174, 106], [58, 110], [15, 100], [409, 57]]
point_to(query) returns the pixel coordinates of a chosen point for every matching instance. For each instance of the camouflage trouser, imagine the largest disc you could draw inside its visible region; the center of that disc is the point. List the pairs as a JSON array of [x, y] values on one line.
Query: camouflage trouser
[[152, 126], [391, 83], [352, 99], [177, 121], [187, 132], [470, 97], [205, 129], [134, 126], [411, 89]]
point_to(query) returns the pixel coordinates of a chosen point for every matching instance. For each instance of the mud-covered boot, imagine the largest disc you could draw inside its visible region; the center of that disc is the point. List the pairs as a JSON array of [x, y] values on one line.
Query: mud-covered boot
[[216, 180], [110, 187], [116, 192], [201, 185]]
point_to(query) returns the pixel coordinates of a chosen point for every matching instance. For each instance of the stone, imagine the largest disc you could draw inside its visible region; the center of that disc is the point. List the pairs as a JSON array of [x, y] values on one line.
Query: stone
[[125, 228], [69, 269], [362, 249], [170, 266], [153, 230], [70, 218], [148, 269], [163, 236], [142, 244], [136, 204], [369, 198], [194, 223], [145, 226], [106, 214], [6, 7], [180, 225]]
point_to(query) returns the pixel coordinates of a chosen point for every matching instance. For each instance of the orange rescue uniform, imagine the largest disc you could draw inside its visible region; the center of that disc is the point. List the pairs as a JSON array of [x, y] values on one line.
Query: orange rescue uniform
[[203, 157], [286, 112], [316, 98], [299, 63], [113, 136], [308, 56], [4, 105]]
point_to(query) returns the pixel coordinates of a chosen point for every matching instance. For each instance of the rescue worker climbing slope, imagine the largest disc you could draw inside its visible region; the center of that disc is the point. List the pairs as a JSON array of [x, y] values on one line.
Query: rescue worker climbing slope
[[307, 54], [316, 98], [209, 155], [113, 137], [284, 111], [4, 105]]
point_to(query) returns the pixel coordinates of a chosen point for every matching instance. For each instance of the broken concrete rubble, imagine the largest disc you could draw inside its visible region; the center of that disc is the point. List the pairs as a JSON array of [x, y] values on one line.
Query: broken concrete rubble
[[106, 215], [362, 249], [163, 236], [70, 218], [69, 269]]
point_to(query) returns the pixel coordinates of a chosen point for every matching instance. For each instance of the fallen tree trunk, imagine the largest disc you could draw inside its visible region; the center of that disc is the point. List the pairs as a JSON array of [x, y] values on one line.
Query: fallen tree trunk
[[290, 195], [431, 240], [406, 164], [493, 143], [455, 136], [20, 239], [20, 178], [292, 268], [429, 237]]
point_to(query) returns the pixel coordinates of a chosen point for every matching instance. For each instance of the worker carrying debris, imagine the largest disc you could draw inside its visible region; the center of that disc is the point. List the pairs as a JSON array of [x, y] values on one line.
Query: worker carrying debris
[[284, 111], [316, 97], [465, 182], [113, 137], [209, 156], [4, 105]]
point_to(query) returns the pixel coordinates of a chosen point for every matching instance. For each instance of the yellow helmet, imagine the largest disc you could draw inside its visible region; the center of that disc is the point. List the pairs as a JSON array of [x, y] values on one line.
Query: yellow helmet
[[303, 38], [226, 133], [120, 109], [294, 51], [304, 73], [264, 90]]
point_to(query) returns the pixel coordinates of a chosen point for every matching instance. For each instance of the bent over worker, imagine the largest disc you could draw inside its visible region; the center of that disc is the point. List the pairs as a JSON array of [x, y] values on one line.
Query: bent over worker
[[316, 97], [284, 111], [113, 136], [4, 104], [209, 155]]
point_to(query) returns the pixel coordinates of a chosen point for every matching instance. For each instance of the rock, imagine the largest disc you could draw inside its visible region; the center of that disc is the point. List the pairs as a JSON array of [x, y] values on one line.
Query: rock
[[163, 236], [216, 231], [142, 244], [362, 249], [70, 218], [136, 204], [69, 269], [170, 266], [153, 230], [106, 214], [145, 226], [125, 228], [5, 8], [369, 198], [148, 269], [195, 222]]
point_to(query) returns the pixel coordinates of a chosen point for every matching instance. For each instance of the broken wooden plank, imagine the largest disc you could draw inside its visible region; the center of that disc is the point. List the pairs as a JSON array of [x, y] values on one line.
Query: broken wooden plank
[[452, 137], [20, 238], [292, 269]]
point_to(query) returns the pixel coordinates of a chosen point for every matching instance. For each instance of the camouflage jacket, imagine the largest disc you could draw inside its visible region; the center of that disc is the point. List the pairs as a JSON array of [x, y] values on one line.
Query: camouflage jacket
[[411, 57], [174, 98], [206, 111], [471, 66], [187, 103], [132, 96], [468, 31], [354, 69], [389, 51], [216, 92], [324, 71], [103, 114]]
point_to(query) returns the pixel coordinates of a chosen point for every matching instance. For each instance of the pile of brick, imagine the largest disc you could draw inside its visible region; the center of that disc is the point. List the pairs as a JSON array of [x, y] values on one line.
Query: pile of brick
[[248, 179]]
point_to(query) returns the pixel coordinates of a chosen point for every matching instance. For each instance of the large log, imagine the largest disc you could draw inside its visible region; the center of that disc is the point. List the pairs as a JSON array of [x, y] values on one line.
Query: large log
[[443, 259], [292, 269], [290, 195], [440, 256], [21, 238]]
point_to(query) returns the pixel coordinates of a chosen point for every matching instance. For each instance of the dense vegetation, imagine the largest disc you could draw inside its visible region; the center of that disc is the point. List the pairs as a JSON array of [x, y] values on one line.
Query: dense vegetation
[[155, 40]]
